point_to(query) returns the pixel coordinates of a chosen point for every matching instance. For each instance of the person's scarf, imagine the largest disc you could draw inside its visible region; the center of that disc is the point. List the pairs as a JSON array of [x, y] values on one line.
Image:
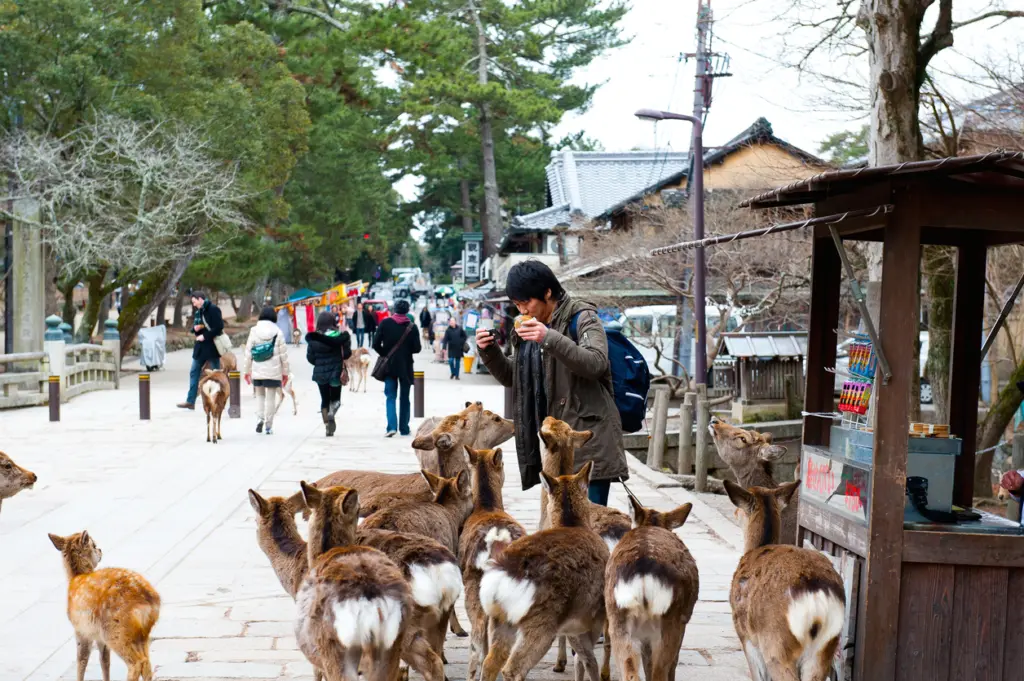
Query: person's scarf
[[533, 407], [197, 315], [400, 318]]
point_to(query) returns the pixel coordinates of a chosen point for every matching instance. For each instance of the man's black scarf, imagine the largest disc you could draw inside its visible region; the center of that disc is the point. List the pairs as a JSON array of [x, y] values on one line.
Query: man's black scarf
[[533, 407]]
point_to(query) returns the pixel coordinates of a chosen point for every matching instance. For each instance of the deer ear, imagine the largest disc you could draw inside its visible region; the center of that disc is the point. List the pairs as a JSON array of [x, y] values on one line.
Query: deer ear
[[677, 517], [58, 542], [548, 482], [784, 493], [296, 503], [350, 502], [468, 405], [83, 539], [462, 482], [771, 452], [637, 513], [583, 477], [496, 458], [310, 494], [471, 456], [444, 441], [739, 497], [258, 503], [581, 438], [433, 482], [767, 437]]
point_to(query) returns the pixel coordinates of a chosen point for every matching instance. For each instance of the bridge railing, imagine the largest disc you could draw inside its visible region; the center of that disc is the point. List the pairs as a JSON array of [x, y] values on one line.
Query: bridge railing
[[23, 377]]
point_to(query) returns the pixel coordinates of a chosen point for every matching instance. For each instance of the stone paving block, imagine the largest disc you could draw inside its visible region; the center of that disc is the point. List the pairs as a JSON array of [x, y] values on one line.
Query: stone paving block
[[280, 628], [222, 670], [251, 655], [204, 644], [197, 628]]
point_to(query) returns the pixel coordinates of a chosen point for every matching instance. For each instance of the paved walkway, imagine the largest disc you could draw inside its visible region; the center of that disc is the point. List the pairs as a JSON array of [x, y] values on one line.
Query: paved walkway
[[158, 499]]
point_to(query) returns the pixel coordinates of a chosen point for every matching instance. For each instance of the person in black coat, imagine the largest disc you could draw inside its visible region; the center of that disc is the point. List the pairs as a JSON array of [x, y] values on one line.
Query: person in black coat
[[363, 322], [453, 341], [327, 348], [207, 324], [398, 331], [427, 322]]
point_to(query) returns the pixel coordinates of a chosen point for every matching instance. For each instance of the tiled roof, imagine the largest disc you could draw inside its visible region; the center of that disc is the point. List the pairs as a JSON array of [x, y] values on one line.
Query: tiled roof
[[764, 344], [543, 220]]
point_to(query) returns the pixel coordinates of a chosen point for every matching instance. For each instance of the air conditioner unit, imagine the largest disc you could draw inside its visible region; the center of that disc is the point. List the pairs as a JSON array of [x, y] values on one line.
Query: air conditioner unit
[[552, 246]]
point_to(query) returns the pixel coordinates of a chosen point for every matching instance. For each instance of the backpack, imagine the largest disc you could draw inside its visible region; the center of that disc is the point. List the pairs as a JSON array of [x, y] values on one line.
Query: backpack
[[261, 352], [631, 378]]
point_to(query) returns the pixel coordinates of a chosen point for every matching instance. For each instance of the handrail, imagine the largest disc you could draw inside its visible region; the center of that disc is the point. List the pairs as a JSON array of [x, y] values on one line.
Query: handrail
[[22, 357], [81, 347]]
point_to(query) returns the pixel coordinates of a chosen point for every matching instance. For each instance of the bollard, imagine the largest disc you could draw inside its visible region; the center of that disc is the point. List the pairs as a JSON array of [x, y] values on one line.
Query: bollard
[[417, 382], [235, 405], [54, 398], [510, 397], [1016, 463], [700, 483], [685, 466], [143, 397], [656, 453]]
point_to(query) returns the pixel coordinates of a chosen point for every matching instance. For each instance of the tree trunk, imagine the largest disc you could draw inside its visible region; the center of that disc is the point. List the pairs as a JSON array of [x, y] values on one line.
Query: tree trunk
[[104, 309], [491, 220], [244, 309], [67, 312], [161, 312], [135, 311], [90, 316], [50, 284], [940, 269], [992, 428], [467, 205], [179, 303]]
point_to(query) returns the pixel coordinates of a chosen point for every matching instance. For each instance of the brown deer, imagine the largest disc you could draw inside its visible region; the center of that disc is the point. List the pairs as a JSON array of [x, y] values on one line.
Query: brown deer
[[546, 584], [485, 534], [112, 608], [788, 603], [13, 478], [558, 445], [650, 588], [215, 389], [492, 432], [354, 599], [750, 455]]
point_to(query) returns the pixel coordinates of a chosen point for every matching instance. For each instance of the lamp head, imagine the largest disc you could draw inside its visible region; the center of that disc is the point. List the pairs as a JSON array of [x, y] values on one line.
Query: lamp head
[[650, 115]]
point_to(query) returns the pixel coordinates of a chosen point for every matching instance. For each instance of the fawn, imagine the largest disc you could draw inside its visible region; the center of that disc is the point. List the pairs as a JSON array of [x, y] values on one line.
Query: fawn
[[788, 603], [113, 608], [485, 534], [13, 478], [353, 599], [215, 389], [650, 588], [558, 445], [750, 454], [546, 584]]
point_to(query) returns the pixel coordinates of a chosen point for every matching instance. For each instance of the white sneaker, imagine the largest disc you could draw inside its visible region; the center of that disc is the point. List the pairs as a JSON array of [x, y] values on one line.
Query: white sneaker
[[391, 433]]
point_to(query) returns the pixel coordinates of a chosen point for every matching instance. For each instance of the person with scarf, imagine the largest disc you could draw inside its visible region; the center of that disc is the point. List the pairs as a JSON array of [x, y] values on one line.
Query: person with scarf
[[207, 324], [398, 333], [553, 375]]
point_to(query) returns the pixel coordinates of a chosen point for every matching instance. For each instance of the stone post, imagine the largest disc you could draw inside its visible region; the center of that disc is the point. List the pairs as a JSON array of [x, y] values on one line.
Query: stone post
[[112, 342], [67, 332], [53, 346], [686, 456], [656, 449], [27, 279]]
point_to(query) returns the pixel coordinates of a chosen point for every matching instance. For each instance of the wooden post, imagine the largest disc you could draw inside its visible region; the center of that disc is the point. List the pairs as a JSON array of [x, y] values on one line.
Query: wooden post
[[700, 483], [417, 379], [792, 403], [235, 399], [656, 453], [1016, 464], [685, 466], [510, 397], [144, 397], [821, 340], [54, 398]]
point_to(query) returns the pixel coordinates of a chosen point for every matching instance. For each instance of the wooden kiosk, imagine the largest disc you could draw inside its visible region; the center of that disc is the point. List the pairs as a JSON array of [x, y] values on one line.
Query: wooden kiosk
[[936, 601]]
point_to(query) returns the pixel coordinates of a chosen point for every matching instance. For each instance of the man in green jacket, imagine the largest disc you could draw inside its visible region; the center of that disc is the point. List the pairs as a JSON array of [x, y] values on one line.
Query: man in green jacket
[[553, 375]]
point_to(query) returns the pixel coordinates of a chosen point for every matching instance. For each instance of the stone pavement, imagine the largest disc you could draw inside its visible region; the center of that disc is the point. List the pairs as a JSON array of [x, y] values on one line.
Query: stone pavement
[[158, 499]]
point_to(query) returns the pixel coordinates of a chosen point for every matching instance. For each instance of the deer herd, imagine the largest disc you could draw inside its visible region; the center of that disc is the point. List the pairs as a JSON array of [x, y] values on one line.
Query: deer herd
[[386, 557]]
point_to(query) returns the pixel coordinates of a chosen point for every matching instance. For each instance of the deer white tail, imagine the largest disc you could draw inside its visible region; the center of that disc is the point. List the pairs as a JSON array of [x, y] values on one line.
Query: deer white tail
[[645, 593], [505, 597], [815, 618], [435, 586], [368, 621], [211, 388], [495, 541]]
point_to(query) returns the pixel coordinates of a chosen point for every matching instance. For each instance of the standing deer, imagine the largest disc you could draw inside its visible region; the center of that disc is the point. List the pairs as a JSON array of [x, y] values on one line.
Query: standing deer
[[651, 585], [215, 389], [750, 455], [788, 603], [353, 600], [546, 584], [485, 534], [13, 478], [112, 608]]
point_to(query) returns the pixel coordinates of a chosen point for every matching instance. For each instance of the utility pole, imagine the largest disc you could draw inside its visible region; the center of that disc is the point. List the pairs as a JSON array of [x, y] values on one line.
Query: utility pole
[[14, 115]]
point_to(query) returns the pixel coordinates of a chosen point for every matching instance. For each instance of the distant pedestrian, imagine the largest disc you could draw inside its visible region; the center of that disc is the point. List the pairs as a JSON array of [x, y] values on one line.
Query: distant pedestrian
[[266, 366], [427, 323], [454, 342], [207, 324], [363, 322], [327, 348], [398, 333]]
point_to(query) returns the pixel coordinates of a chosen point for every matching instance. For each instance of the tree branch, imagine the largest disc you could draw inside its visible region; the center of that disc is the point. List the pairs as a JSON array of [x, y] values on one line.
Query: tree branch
[[1005, 14], [940, 38], [326, 18]]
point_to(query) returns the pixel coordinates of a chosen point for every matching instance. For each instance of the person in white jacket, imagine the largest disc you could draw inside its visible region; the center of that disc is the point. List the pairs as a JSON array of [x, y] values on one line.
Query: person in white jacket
[[266, 366]]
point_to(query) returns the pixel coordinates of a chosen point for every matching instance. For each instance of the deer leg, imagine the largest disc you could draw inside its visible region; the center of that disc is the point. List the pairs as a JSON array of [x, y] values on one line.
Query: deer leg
[[456, 628], [647, 655], [562, 658], [385, 664], [586, 662], [84, 648], [104, 662], [418, 654], [208, 424], [534, 639], [782, 670], [502, 636], [478, 637], [625, 653], [606, 662]]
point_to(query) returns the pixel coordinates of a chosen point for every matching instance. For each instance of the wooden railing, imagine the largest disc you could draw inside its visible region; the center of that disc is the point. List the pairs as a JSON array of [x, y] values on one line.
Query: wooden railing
[[23, 377], [88, 367]]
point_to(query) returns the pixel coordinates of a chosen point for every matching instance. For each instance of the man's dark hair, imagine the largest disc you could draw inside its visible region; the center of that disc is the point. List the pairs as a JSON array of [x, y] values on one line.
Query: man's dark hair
[[198, 294], [532, 279], [402, 307], [267, 314]]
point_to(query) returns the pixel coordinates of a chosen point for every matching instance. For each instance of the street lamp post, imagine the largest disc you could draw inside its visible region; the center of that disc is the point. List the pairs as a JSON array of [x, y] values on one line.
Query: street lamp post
[[696, 186]]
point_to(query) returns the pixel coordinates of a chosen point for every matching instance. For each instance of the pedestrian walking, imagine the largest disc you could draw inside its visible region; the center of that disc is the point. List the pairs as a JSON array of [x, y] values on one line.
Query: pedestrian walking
[[207, 324], [327, 348], [553, 375], [266, 366], [454, 343], [427, 323], [363, 321], [398, 339]]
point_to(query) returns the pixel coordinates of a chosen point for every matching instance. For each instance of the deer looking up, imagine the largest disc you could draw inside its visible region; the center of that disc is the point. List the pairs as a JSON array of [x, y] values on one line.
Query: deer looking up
[[492, 431], [750, 455], [788, 603], [13, 478]]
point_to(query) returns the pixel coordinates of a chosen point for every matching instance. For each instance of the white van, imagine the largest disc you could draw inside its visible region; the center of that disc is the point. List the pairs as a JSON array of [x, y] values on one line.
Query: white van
[[651, 326]]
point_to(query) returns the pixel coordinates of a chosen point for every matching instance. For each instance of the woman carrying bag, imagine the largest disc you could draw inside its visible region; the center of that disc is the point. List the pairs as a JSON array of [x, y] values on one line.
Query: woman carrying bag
[[266, 366], [327, 348]]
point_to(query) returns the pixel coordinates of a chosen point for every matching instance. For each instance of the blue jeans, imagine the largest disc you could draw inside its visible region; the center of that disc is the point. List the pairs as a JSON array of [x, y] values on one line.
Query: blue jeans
[[598, 491], [453, 364], [360, 334], [399, 422], [194, 376]]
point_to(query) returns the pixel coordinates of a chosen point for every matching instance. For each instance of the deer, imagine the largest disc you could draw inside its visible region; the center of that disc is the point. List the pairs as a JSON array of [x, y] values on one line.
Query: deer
[[353, 599], [750, 455], [430, 570], [558, 445], [492, 432], [650, 588], [546, 584], [13, 478], [788, 603], [111, 608], [358, 368], [215, 389], [441, 519], [485, 534]]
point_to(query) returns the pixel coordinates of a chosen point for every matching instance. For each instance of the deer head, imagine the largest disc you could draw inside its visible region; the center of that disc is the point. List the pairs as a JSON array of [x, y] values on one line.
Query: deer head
[[453, 431], [648, 517], [744, 449], [761, 509], [487, 475], [570, 506], [558, 445], [334, 514], [80, 553], [13, 478]]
